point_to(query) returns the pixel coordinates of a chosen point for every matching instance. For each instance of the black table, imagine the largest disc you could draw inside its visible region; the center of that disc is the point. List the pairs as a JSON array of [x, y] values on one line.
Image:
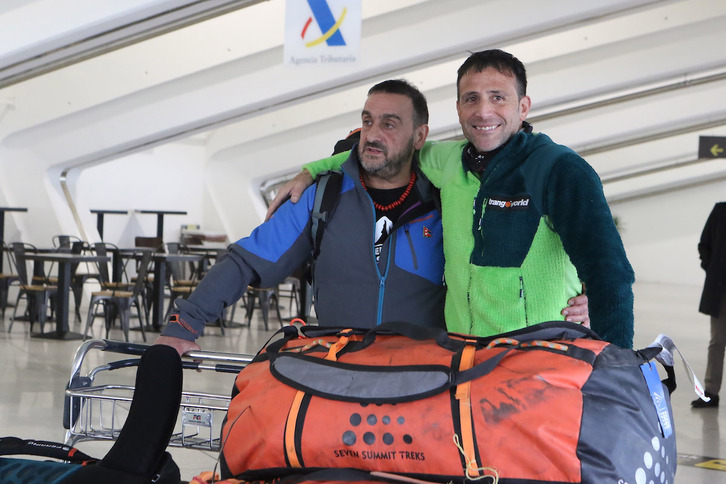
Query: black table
[[99, 218], [2, 227], [160, 260], [209, 254], [117, 260], [65, 261], [157, 294], [160, 219]]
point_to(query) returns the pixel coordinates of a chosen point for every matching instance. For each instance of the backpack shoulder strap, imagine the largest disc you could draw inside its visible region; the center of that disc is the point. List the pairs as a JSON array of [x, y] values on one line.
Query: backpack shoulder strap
[[326, 199]]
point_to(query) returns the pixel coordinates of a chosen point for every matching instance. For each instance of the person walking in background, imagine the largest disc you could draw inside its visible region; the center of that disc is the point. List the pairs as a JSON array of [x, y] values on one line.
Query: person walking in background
[[712, 251]]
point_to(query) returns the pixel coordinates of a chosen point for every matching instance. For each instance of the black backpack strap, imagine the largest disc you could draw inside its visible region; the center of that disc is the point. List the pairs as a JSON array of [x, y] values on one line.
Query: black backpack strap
[[42, 448], [326, 199], [139, 454]]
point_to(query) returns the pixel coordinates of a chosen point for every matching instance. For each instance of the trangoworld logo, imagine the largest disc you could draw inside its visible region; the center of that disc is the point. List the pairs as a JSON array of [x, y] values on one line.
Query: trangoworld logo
[[329, 25], [508, 203]]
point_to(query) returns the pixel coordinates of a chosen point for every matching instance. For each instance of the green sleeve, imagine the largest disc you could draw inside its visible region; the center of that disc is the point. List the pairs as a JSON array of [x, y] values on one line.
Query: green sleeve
[[331, 163], [435, 156]]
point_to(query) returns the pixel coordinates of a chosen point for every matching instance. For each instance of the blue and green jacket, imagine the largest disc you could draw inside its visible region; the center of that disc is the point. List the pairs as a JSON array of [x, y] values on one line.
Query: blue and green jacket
[[350, 288]]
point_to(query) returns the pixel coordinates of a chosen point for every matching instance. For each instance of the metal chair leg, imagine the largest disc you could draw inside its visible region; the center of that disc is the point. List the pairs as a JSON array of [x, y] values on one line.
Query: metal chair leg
[[91, 316]]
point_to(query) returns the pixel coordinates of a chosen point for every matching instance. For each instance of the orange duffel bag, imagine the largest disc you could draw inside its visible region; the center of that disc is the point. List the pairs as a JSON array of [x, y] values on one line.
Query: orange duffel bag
[[548, 404]]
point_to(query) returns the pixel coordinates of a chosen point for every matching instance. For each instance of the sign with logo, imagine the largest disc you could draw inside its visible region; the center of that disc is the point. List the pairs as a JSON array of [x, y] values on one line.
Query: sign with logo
[[508, 203], [712, 146], [322, 32]]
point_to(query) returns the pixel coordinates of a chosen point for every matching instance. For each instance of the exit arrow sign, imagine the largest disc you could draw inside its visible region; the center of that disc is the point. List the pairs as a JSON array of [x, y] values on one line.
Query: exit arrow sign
[[712, 146]]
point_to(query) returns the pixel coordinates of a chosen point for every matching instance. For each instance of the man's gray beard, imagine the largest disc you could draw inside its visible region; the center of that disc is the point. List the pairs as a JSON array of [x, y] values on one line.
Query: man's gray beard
[[391, 167]]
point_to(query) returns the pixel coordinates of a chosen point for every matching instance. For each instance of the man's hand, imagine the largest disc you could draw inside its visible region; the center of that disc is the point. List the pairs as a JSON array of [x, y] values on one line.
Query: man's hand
[[292, 190], [180, 345], [577, 310]]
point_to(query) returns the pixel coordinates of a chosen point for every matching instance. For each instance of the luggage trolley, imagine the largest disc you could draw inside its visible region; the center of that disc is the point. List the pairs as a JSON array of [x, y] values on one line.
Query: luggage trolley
[[98, 411]]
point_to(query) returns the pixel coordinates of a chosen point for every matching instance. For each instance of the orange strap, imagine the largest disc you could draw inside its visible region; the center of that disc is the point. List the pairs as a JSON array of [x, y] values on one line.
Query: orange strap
[[463, 394], [336, 347], [292, 415], [290, 427]]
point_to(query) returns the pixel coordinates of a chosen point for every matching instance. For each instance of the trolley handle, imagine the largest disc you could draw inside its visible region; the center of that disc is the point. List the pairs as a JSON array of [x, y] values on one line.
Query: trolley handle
[[124, 347], [186, 364], [139, 349], [115, 365], [218, 356], [219, 368]]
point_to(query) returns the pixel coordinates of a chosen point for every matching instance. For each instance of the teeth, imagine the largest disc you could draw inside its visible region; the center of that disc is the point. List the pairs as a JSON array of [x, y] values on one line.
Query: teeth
[[484, 128]]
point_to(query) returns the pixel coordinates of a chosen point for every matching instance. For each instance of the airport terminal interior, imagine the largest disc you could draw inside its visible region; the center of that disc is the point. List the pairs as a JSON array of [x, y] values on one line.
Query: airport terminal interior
[[150, 122]]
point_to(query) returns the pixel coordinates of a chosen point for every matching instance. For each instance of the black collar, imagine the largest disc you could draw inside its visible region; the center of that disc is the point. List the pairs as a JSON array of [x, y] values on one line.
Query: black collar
[[477, 162]]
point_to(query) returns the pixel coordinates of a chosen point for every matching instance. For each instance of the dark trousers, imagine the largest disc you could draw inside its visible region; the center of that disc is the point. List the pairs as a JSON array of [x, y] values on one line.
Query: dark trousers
[[716, 346]]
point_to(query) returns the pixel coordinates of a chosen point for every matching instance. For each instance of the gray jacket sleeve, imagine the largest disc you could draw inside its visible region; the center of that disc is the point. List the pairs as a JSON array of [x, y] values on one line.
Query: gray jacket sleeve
[[222, 286]]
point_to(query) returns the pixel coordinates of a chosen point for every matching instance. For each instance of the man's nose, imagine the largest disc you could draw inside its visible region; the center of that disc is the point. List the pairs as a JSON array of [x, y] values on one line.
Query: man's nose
[[375, 133], [484, 108]]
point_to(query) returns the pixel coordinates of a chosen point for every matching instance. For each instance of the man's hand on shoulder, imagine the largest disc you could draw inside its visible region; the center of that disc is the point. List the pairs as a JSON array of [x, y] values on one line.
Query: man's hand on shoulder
[[180, 345], [292, 190], [577, 310]]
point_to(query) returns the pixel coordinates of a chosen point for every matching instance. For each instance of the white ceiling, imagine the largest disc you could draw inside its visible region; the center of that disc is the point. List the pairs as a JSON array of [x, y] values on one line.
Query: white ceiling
[[607, 77]]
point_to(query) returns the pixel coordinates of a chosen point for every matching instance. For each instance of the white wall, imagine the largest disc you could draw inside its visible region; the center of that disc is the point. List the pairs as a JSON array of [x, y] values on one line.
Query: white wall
[[169, 177], [661, 233]]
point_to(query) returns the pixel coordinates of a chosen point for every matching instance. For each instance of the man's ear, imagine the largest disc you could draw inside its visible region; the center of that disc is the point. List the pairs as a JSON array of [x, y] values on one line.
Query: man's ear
[[524, 105], [419, 136]]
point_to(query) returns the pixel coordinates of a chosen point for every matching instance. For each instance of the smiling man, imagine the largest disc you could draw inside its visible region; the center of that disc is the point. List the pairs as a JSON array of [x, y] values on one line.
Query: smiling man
[[525, 220]]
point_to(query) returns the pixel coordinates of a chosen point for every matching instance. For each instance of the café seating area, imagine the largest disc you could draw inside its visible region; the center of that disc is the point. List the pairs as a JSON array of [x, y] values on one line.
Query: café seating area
[[128, 289]]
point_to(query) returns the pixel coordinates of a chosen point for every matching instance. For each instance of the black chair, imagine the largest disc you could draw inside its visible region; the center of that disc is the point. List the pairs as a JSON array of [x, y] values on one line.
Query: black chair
[[264, 298], [118, 302], [106, 249], [37, 295], [178, 283], [7, 279], [64, 241], [291, 290], [61, 243], [177, 269], [156, 243], [79, 279], [125, 283]]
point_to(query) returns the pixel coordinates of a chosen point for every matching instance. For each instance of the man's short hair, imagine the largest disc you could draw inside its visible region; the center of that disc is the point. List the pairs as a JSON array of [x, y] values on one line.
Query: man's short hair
[[401, 86], [502, 61]]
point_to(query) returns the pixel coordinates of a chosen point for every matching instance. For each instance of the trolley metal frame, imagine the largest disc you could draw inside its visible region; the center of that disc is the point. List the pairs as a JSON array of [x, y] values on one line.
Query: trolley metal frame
[[98, 412]]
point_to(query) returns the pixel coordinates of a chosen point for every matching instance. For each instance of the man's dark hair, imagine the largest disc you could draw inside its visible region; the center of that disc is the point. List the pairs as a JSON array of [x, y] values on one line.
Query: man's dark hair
[[401, 86], [502, 61]]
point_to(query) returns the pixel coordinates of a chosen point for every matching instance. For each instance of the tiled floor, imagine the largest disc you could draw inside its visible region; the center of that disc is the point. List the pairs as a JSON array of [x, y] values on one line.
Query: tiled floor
[[34, 373]]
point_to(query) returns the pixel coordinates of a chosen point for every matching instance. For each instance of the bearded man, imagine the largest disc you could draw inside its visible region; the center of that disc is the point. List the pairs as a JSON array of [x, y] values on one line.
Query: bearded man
[[381, 256]]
